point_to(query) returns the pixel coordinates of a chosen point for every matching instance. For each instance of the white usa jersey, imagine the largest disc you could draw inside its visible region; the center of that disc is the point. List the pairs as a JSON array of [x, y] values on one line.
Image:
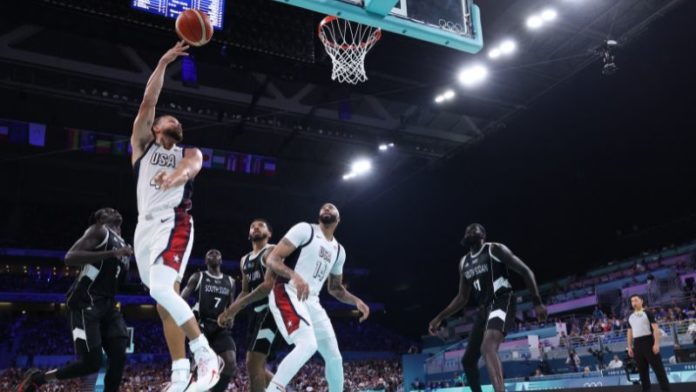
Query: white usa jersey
[[151, 198], [317, 256]]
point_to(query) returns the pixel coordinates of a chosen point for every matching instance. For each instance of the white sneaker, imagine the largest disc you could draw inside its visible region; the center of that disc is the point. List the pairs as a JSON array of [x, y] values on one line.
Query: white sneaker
[[208, 368], [181, 379]]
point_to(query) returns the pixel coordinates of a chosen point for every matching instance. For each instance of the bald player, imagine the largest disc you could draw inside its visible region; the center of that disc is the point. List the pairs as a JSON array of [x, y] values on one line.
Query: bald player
[[294, 301]]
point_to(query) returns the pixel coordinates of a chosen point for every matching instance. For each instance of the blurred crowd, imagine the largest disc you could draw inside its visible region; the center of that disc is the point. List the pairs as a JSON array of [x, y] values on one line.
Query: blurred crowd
[[360, 375]]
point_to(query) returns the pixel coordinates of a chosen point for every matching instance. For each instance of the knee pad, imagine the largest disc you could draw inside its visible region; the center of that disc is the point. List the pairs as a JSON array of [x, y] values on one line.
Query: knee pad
[[162, 280]]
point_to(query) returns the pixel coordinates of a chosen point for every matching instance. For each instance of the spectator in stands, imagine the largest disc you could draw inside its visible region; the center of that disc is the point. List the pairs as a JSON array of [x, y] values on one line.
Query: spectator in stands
[[573, 360], [615, 363], [692, 331], [538, 373], [598, 314], [586, 371]]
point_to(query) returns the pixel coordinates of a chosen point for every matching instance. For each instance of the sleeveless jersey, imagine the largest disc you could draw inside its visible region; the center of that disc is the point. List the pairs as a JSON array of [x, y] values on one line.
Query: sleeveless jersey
[[316, 256], [99, 280], [213, 295], [151, 198], [254, 269], [486, 275]]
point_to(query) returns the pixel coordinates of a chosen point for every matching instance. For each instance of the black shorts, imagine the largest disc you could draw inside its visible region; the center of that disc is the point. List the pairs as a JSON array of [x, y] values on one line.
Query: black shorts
[[220, 339], [96, 324], [262, 333], [499, 315]]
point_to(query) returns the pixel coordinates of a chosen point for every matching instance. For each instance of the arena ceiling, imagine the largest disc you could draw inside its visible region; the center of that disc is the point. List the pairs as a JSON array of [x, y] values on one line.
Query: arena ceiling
[[264, 87]]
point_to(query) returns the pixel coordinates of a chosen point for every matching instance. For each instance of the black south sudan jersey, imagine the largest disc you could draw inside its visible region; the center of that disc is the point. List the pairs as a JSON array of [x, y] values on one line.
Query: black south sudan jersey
[[486, 275], [213, 295], [254, 269], [99, 281]]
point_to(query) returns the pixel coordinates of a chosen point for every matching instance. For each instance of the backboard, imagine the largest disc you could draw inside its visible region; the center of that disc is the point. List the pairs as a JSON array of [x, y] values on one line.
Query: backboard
[[451, 23]]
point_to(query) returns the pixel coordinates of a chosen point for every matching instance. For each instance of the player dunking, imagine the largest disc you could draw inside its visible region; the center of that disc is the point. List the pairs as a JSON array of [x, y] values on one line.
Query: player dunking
[[257, 283], [95, 321], [295, 305], [215, 291], [164, 235], [485, 270]]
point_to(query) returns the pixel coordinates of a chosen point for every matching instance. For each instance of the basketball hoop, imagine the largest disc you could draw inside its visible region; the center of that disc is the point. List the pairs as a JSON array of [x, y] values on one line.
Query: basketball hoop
[[347, 43]]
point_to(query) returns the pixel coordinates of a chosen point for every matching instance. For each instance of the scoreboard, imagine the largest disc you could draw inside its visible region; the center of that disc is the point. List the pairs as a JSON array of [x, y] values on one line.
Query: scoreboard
[[215, 9]]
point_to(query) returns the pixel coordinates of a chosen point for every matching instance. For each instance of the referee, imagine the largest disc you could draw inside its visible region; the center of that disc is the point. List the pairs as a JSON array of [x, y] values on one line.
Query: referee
[[644, 345]]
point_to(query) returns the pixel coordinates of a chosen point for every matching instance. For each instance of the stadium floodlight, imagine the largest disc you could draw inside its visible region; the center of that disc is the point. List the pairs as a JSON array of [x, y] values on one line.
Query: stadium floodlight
[[473, 75], [383, 147], [439, 99], [348, 176], [549, 14], [534, 22], [449, 94], [361, 166], [508, 46], [494, 53]]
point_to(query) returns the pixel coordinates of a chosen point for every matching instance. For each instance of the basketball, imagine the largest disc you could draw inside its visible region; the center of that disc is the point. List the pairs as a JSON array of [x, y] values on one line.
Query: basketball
[[194, 27]]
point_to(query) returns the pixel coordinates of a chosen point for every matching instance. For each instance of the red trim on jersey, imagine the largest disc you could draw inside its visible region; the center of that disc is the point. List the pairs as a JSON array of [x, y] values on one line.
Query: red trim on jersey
[[291, 318], [173, 254]]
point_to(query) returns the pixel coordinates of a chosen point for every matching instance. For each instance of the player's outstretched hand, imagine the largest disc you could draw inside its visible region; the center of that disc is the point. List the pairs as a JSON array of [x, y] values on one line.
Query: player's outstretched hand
[[301, 286], [125, 251], [172, 54], [541, 312], [364, 310], [434, 326]]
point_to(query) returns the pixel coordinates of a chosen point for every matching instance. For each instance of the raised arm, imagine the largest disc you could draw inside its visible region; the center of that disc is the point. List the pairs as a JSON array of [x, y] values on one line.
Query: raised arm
[[82, 252], [186, 170], [454, 306], [276, 263], [502, 254], [142, 126], [191, 285], [339, 291]]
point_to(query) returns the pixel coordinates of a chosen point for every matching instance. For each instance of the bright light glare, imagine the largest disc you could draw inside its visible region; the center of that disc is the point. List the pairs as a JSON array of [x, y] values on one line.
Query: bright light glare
[[348, 176], [361, 166], [549, 14], [473, 75], [508, 46], [383, 147], [439, 99], [534, 22], [449, 94], [494, 53], [391, 144]]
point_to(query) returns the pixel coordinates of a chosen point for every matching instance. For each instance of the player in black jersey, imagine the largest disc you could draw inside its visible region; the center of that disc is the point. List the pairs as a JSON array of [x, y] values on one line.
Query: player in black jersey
[[214, 292], [257, 283], [485, 270], [95, 321]]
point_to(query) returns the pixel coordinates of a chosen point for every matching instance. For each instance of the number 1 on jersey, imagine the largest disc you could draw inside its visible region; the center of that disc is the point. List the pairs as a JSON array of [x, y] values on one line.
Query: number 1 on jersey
[[477, 285]]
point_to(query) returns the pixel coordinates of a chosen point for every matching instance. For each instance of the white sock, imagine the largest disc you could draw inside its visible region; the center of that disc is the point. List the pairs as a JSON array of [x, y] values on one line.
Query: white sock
[[180, 370], [198, 343]]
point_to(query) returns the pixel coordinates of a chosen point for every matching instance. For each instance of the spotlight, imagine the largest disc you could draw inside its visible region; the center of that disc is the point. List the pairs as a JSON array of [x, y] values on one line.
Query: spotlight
[[348, 176], [508, 46], [494, 53], [439, 99], [449, 94], [534, 22], [361, 166], [473, 75], [549, 14], [391, 145], [383, 147]]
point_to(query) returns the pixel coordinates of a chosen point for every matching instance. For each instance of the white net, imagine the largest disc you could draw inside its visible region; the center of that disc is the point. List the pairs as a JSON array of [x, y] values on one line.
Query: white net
[[347, 43]]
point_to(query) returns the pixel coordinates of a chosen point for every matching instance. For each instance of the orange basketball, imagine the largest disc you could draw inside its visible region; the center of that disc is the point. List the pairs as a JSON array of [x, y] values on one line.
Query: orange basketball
[[194, 27]]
